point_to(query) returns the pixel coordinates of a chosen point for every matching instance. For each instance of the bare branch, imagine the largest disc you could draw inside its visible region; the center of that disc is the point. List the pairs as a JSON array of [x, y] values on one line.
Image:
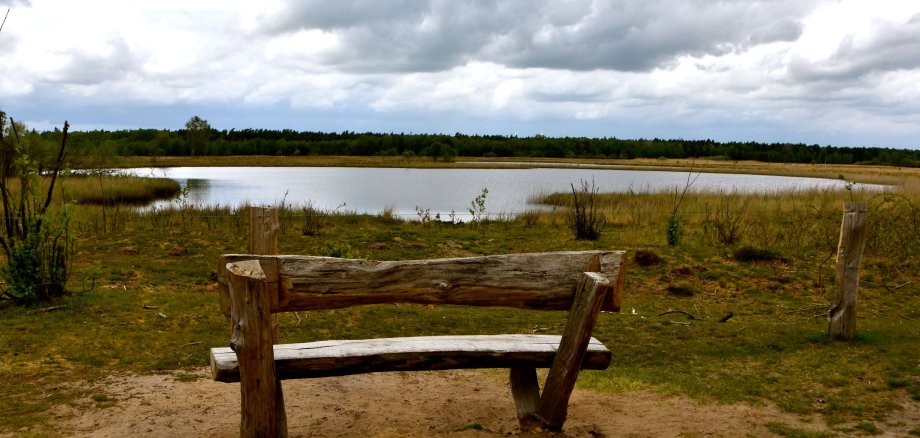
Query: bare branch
[[4, 19], [687, 314], [58, 165]]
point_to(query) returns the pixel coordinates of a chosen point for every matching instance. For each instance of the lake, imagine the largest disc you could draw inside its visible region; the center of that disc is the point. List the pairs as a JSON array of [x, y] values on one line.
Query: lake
[[371, 190]]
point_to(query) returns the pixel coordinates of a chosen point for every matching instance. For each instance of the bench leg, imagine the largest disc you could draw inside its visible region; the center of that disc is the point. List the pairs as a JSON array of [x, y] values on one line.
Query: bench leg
[[554, 402], [526, 392], [261, 399]]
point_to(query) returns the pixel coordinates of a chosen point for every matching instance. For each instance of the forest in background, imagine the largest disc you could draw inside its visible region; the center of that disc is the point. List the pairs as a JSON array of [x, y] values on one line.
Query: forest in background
[[199, 139]]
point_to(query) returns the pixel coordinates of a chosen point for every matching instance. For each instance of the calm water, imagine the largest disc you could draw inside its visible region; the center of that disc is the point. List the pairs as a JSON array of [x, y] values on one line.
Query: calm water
[[371, 190]]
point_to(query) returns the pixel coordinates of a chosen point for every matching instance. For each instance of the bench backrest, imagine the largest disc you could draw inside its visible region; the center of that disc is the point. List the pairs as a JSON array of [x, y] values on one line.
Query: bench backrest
[[544, 281], [253, 288]]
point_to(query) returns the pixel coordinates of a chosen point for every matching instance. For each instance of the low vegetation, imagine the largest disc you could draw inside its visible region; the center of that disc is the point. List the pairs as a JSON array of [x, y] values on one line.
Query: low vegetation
[[144, 299], [115, 190]]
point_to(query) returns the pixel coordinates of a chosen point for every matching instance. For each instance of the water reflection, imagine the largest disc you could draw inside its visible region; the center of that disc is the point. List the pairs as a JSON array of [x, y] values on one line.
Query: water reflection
[[199, 190], [442, 191]]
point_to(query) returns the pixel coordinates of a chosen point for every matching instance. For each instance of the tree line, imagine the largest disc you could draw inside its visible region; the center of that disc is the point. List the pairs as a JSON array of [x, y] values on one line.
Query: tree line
[[198, 138]]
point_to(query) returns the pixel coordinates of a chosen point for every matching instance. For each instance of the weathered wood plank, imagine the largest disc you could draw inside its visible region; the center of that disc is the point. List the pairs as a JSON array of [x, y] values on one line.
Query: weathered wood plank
[[534, 281], [543, 281], [344, 357], [251, 345], [592, 289]]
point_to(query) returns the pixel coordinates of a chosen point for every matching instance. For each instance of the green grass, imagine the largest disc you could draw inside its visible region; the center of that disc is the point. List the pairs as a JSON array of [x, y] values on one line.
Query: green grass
[[784, 430], [141, 306], [868, 428]]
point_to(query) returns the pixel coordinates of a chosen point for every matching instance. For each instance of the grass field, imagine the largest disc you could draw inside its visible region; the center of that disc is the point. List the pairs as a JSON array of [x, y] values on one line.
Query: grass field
[[144, 299]]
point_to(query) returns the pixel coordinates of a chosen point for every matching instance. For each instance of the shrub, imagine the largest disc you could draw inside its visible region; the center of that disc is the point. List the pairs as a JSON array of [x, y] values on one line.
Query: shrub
[[675, 230], [340, 250], [477, 210], [35, 239], [584, 218], [314, 219], [729, 219]]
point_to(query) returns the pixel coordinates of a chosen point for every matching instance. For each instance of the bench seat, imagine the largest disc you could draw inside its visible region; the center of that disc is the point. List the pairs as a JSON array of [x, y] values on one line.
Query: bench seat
[[344, 357]]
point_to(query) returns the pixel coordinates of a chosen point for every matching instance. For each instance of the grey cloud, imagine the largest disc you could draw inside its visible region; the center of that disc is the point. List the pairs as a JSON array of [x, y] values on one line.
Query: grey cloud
[[85, 68], [342, 14], [414, 35], [891, 50], [630, 36], [13, 4]]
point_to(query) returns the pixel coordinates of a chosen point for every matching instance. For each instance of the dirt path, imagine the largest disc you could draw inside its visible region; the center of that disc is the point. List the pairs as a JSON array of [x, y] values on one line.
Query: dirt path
[[456, 403]]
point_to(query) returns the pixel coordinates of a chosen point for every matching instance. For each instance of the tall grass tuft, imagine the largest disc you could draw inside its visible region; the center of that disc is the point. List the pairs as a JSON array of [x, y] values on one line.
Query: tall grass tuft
[[584, 218]]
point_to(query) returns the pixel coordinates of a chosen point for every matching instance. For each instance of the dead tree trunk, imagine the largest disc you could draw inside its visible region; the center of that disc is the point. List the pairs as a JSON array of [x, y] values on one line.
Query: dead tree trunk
[[842, 316]]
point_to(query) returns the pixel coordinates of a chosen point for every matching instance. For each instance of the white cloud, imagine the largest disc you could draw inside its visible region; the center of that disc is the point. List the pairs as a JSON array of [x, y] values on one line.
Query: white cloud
[[817, 70]]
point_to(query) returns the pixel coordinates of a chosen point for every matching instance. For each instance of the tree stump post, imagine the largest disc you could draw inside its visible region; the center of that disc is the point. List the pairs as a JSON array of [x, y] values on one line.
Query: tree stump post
[[263, 240], [252, 342], [842, 315]]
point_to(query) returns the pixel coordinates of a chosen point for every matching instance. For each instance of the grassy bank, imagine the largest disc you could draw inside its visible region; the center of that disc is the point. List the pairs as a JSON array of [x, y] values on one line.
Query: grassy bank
[[145, 300], [115, 190]]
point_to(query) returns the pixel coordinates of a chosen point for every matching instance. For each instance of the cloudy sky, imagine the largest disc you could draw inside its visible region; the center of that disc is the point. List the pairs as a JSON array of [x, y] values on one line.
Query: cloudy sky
[[841, 72]]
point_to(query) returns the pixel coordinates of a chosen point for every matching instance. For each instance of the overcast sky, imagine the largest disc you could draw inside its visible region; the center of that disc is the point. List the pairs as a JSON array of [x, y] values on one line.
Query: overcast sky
[[828, 72]]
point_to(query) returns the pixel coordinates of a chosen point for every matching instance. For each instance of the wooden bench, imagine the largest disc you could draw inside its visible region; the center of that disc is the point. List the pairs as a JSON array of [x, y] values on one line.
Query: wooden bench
[[253, 288]]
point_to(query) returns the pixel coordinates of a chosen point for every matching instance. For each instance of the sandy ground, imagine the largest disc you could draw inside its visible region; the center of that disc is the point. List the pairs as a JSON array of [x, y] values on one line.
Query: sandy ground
[[420, 404]]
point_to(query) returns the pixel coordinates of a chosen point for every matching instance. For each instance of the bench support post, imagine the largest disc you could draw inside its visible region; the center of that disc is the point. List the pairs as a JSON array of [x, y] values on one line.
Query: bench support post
[[250, 314], [526, 392], [263, 239], [589, 297]]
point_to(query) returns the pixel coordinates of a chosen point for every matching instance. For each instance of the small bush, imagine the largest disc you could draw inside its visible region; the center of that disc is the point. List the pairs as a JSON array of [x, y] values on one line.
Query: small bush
[[35, 240], [584, 218], [478, 214], [729, 219], [675, 231], [340, 250], [751, 254], [314, 219], [647, 257]]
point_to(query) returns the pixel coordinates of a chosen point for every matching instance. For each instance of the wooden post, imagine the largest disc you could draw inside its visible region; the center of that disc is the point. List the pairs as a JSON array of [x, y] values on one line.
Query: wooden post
[[263, 240], [263, 231], [842, 316], [589, 297], [252, 342], [526, 392]]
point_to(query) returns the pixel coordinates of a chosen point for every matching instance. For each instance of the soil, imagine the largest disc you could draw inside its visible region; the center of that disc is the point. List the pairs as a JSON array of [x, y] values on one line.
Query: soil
[[463, 403]]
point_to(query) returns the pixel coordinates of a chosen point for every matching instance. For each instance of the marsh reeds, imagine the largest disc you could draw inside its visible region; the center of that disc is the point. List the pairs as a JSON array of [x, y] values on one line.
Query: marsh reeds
[[115, 189]]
